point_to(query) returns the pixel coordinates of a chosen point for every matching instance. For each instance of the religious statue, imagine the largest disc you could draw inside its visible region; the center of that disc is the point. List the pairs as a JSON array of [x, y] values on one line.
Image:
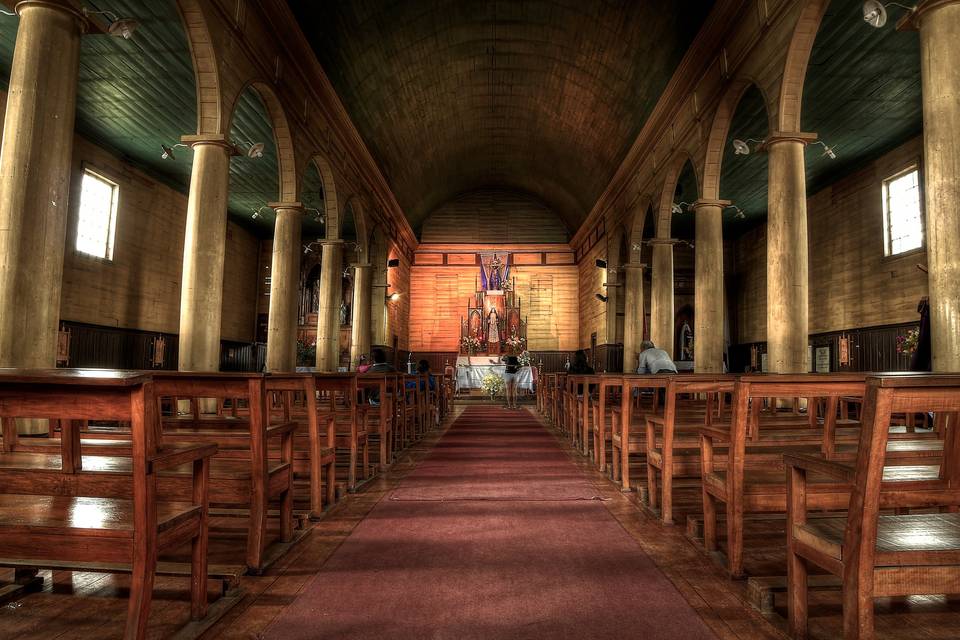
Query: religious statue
[[686, 342], [344, 312], [496, 280], [493, 327]]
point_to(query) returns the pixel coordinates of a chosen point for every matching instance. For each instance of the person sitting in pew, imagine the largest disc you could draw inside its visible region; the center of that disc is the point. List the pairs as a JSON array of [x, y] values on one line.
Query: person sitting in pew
[[653, 360], [423, 368], [380, 365]]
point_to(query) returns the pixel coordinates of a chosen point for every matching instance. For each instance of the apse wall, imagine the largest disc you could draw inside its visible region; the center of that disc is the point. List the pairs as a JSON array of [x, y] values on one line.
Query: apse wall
[[444, 278], [490, 216]]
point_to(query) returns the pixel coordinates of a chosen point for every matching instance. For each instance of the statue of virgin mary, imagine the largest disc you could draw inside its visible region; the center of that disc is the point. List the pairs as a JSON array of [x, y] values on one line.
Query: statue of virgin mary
[[493, 327]]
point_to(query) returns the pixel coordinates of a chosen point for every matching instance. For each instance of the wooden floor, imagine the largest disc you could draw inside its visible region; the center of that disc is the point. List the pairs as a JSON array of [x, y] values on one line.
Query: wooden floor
[[87, 605]]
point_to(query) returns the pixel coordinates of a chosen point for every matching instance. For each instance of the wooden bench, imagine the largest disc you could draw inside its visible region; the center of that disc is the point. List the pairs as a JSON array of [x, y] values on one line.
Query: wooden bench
[[608, 396], [380, 419], [629, 435], [678, 432], [878, 554], [744, 488], [339, 399], [83, 533]]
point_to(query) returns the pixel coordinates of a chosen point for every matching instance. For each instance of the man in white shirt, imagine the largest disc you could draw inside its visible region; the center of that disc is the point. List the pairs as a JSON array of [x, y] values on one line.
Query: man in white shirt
[[653, 360]]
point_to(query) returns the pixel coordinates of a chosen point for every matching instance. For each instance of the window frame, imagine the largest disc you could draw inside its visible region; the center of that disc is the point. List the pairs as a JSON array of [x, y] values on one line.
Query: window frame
[[114, 214], [913, 165]]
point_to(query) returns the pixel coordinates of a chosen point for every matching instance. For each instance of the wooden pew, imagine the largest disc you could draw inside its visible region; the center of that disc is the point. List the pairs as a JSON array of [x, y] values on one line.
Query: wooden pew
[[380, 422], [339, 399], [878, 554], [742, 488], [678, 433], [578, 389], [609, 386], [87, 533], [629, 435]]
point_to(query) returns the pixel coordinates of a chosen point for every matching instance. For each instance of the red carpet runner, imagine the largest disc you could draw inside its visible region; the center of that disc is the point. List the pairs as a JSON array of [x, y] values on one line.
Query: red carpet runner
[[495, 535]]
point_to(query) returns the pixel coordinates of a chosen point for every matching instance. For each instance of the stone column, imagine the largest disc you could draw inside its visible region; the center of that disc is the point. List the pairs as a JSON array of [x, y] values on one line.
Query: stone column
[[661, 294], [360, 330], [284, 284], [787, 271], [632, 315], [328, 320], [379, 329], [708, 286], [939, 25], [204, 245], [35, 183]]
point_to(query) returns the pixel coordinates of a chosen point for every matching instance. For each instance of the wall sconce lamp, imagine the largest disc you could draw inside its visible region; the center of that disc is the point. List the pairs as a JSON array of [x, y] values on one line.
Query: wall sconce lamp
[[118, 27], [258, 213], [393, 297], [393, 263], [742, 147], [680, 207], [168, 151], [254, 150], [601, 264], [318, 216], [600, 297], [737, 212], [827, 151], [875, 13]]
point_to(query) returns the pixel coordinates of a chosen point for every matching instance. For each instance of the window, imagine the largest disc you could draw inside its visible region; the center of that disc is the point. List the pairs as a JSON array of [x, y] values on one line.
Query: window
[[97, 222], [902, 217]]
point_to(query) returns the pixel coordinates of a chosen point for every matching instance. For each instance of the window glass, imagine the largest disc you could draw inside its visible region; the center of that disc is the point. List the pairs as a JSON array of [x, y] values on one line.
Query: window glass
[[98, 215], [903, 220]]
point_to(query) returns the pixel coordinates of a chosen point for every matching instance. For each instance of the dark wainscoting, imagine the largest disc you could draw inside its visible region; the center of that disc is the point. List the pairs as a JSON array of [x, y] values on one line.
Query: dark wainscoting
[[871, 349], [94, 346], [608, 358]]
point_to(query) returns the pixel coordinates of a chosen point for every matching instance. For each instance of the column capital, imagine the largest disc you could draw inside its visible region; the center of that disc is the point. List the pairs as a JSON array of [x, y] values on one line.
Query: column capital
[[778, 137], [662, 241], [707, 202], [359, 265], [212, 139], [296, 206], [639, 266], [332, 242], [911, 21], [84, 23]]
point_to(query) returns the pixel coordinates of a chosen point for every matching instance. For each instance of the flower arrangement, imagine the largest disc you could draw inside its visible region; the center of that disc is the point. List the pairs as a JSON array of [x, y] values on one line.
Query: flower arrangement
[[470, 343], [515, 343], [492, 385], [907, 344], [525, 359], [306, 353]]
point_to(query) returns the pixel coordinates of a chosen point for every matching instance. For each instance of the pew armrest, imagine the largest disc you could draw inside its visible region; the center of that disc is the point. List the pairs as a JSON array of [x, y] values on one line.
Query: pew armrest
[[810, 462], [281, 428], [715, 434], [171, 456]]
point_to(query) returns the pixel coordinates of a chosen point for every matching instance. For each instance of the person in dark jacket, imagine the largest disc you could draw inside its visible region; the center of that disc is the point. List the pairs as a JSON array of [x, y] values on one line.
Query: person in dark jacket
[[510, 373]]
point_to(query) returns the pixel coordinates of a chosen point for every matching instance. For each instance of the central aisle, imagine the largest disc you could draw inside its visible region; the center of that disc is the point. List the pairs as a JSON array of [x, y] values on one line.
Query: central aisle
[[496, 534]]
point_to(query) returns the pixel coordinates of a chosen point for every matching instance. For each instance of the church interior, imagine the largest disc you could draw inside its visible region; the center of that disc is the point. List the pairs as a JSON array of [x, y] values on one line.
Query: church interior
[[489, 319]]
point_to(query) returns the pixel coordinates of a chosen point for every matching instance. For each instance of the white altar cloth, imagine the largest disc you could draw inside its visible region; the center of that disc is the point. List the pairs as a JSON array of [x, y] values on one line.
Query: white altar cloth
[[472, 370]]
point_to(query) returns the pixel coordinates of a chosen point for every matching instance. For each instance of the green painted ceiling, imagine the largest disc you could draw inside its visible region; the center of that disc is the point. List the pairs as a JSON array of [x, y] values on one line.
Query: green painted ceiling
[[540, 96], [861, 96]]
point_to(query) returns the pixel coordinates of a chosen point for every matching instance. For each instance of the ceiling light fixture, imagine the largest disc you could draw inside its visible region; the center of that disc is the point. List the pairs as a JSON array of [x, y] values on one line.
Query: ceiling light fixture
[[742, 147], [875, 13], [678, 207], [255, 150], [318, 216], [827, 151], [168, 151], [258, 213], [118, 27]]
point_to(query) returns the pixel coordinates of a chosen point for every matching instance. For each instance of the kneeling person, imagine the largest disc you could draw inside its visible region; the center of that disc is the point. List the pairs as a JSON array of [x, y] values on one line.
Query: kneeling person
[[653, 360]]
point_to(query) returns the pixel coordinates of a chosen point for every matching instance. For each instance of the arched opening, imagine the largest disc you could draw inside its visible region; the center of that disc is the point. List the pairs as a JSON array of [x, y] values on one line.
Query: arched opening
[[254, 177]]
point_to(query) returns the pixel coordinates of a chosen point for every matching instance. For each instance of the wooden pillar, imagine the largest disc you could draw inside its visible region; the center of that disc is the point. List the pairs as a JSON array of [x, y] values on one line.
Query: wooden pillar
[[661, 294], [787, 271], [632, 315], [284, 284], [360, 330], [708, 286], [939, 25], [204, 246], [379, 319], [328, 320], [35, 184], [35, 180]]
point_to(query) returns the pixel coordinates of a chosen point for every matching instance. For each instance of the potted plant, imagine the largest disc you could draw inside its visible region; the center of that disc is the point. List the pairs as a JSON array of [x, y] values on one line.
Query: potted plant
[[492, 385]]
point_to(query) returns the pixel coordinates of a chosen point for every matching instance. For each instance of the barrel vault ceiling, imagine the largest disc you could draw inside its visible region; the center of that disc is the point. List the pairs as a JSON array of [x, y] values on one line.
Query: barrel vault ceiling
[[541, 96]]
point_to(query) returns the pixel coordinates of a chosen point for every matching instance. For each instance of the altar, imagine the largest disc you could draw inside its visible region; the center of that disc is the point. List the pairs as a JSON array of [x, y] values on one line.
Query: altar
[[471, 371]]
